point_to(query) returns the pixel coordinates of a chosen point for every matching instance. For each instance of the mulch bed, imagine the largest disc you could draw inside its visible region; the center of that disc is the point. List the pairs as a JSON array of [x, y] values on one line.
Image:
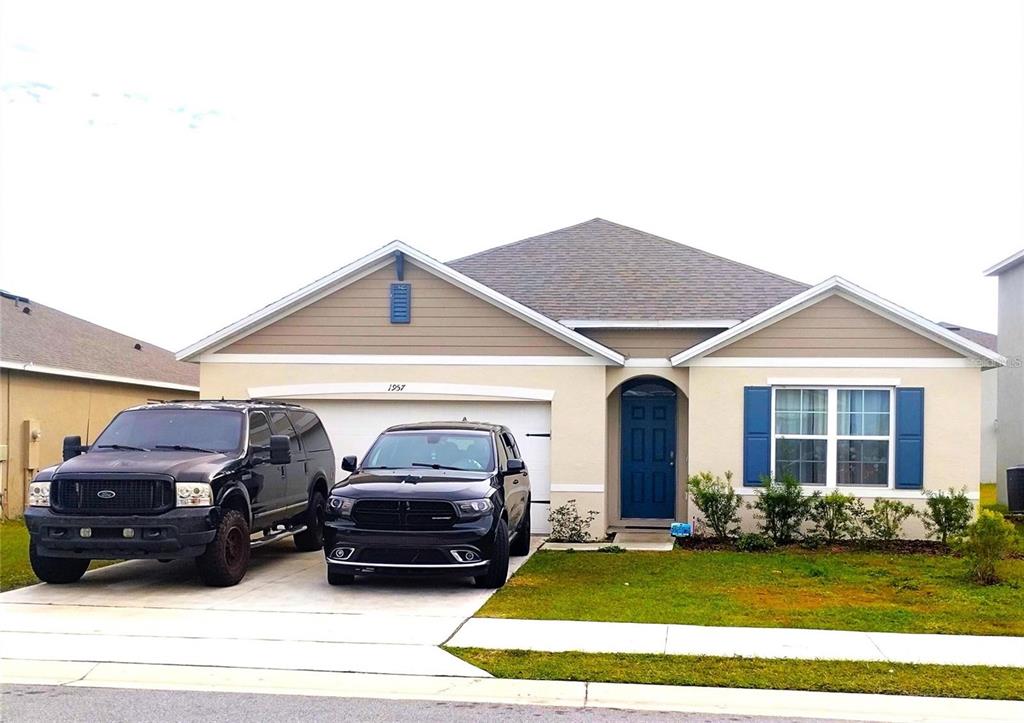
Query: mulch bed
[[919, 547]]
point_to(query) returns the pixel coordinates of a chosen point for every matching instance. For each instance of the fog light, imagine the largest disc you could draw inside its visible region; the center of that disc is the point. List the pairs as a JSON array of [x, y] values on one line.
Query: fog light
[[85, 532], [128, 532], [342, 553], [466, 555]]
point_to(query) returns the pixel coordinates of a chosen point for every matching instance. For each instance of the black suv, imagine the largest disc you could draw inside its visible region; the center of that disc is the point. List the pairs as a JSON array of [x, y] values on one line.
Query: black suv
[[431, 498], [183, 479]]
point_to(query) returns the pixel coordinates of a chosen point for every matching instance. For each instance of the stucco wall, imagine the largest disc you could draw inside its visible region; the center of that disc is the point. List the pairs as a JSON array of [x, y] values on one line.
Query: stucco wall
[[1010, 411], [989, 428]]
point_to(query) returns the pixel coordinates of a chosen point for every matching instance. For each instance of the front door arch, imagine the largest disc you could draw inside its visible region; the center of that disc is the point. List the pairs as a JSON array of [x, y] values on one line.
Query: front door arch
[[648, 449]]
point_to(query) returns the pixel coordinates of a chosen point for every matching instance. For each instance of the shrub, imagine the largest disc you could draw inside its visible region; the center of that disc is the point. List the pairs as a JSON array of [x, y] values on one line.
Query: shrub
[[997, 507], [754, 542], [782, 507], [884, 521], [718, 502], [568, 525], [989, 539], [947, 514], [836, 517], [615, 549]]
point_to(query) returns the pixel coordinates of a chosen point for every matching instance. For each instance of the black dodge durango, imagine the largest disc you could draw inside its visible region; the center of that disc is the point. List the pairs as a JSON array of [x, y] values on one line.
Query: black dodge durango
[[442, 498]]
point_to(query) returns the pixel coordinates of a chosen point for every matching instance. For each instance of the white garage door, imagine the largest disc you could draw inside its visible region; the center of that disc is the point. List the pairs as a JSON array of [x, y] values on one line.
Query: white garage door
[[353, 425]]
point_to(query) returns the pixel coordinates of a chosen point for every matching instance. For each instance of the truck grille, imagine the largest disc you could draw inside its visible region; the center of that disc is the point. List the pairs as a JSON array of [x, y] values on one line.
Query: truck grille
[[112, 496], [404, 514]]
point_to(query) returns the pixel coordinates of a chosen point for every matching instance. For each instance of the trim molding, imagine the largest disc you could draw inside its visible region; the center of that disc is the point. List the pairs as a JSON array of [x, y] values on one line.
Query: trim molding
[[397, 390], [866, 492], [657, 362], [837, 362], [1005, 264], [833, 381], [645, 324], [402, 359], [577, 488], [57, 371]]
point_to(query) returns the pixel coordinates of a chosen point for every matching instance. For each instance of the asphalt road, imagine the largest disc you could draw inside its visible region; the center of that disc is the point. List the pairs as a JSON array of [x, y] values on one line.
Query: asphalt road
[[30, 703]]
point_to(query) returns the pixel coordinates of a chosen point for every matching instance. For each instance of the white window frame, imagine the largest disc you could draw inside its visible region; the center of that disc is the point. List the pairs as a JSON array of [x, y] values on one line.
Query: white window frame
[[832, 435]]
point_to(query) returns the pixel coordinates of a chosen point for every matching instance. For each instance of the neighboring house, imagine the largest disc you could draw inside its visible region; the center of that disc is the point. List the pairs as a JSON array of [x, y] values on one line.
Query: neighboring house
[[623, 362], [60, 375], [1010, 412], [989, 397]]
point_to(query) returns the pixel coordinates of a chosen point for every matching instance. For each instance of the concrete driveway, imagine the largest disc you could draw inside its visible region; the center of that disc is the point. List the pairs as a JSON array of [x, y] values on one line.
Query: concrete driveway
[[282, 616]]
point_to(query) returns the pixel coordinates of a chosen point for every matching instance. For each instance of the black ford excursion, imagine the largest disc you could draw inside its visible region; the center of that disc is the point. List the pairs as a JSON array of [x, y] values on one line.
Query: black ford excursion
[[200, 479], [443, 498]]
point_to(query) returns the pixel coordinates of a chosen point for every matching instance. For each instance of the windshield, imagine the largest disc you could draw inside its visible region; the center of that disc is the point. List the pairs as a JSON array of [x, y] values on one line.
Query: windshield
[[469, 451], [188, 429]]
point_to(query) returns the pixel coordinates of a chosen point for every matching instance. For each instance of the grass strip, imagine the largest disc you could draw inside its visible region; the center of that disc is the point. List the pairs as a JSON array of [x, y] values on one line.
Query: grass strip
[[836, 676], [15, 570]]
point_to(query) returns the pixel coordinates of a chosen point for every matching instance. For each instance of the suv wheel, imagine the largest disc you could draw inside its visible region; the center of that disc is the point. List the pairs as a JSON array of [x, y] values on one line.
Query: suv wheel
[[521, 544], [226, 558], [498, 571], [339, 578], [312, 538], [56, 570]]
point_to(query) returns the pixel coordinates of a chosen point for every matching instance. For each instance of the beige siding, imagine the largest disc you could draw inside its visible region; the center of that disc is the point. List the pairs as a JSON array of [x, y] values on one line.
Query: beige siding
[[445, 320], [650, 343], [835, 327]]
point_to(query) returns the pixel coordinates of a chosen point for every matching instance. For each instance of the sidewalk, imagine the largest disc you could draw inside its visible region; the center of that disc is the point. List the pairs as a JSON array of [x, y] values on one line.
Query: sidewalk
[[596, 637], [783, 704]]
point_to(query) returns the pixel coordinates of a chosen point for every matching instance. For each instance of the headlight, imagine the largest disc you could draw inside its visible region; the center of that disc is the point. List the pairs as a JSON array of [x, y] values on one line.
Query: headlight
[[194, 494], [39, 494], [341, 505], [474, 508]]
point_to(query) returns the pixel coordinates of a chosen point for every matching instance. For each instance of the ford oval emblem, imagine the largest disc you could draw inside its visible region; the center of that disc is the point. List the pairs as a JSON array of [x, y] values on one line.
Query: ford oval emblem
[[106, 494]]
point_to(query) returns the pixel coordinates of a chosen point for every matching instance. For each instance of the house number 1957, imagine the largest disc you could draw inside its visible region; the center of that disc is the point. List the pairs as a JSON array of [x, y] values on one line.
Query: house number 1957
[[396, 387]]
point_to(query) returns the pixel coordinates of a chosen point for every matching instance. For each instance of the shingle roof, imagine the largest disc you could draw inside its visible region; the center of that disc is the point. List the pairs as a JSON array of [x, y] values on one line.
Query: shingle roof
[[603, 270], [978, 337], [47, 337]]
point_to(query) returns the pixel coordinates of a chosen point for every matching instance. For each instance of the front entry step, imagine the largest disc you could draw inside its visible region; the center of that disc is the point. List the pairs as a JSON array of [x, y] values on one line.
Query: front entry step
[[644, 540]]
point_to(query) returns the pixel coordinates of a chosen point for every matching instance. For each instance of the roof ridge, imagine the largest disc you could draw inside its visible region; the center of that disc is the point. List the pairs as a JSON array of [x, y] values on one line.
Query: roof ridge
[[523, 240]]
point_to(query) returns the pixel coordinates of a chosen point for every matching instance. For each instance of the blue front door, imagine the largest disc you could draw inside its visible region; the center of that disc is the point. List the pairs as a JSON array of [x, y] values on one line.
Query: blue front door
[[648, 474]]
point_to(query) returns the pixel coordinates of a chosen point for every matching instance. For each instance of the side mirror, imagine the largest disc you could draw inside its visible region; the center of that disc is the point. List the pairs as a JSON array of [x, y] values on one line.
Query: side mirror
[[73, 447], [280, 452], [514, 466], [348, 463]]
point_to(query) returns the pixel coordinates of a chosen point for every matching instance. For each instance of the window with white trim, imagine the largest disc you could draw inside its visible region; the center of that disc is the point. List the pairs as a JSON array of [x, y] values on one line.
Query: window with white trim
[[833, 436]]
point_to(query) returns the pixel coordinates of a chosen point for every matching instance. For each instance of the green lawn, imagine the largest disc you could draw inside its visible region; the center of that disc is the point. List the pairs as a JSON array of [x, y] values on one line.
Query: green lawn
[[846, 590], [948, 681], [14, 568]]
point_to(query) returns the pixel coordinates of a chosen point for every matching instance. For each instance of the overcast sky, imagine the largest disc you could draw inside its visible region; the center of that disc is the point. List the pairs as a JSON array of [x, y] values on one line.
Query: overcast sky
[[169, 167]]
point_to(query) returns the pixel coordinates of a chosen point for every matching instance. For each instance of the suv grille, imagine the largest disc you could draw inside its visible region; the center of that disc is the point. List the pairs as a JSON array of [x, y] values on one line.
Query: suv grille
[[404, 514], [112, 496]]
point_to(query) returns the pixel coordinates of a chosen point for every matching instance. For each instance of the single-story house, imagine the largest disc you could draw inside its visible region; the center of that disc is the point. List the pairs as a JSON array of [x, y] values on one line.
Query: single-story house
[[61, 375], [623, 362]]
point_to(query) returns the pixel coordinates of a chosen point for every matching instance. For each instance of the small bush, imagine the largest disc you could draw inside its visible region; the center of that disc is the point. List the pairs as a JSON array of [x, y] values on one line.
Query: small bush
[[615, 549], [997, 507], [884, 521], [836, 517], [989, 539], [754, 542], [947, 514], [782, 507], [718, 502], [568, 525]]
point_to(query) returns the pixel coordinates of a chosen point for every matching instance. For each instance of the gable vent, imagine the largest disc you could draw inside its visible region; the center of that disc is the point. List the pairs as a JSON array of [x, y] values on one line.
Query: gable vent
[[401, 303]]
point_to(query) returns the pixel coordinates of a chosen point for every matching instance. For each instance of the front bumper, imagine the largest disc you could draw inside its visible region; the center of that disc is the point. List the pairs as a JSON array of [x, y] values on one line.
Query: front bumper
[[462, 551], [177, 533]]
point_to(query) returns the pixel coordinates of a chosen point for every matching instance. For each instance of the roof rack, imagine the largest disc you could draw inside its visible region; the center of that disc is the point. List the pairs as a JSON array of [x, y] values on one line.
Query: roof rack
[[251, 400]]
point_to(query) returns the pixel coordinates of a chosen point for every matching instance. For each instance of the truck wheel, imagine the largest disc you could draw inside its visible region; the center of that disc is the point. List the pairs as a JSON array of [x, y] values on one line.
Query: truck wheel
[[226, 558], [339, 578], [312, 538], [521, 544], [498, 570], [56, 570]]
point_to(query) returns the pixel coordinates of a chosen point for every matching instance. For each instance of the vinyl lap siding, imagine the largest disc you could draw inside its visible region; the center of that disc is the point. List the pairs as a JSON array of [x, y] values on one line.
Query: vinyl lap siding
[[835, 327], [650, 343], [445, 320]]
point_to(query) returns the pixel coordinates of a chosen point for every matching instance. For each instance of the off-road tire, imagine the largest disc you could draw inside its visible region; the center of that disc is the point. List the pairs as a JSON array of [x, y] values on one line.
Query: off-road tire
[[497, 573], [56, 570], [521, 544], [339, 578], [226, 558], [312, 538]]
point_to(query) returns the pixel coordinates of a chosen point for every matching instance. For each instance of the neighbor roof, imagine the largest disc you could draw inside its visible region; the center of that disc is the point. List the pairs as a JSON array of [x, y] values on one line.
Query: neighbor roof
[[603, 270], [978, 337], [40, 338], [1006, 264]]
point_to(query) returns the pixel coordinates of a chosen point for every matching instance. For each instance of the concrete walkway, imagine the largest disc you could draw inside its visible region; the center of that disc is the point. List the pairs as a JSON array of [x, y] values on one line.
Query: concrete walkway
[[594, 637]]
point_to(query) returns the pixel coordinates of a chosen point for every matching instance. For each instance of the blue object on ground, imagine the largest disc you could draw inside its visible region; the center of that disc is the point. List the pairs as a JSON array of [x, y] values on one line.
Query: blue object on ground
[[681, 529]]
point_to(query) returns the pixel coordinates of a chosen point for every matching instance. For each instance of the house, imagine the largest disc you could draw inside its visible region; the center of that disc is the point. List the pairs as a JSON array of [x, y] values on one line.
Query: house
[[60, 375], [623, 362], [1010, 412]]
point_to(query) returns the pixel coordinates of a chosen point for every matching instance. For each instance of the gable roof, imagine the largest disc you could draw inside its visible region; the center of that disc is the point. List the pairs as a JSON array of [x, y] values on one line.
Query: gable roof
[[989, 341], [599, 270], [1006, 264], [39, 338], [856, 294], [372, 262]]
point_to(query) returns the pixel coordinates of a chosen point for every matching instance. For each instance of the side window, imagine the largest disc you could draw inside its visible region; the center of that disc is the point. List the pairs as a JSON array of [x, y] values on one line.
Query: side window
[[503, 451], [510, 442], [311, 431], [279, 424], [259, 430]]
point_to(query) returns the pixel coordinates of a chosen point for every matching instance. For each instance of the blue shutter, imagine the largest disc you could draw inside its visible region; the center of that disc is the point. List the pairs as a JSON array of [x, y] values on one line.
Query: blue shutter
[[401, 303], [909, 437], [757, 426]]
